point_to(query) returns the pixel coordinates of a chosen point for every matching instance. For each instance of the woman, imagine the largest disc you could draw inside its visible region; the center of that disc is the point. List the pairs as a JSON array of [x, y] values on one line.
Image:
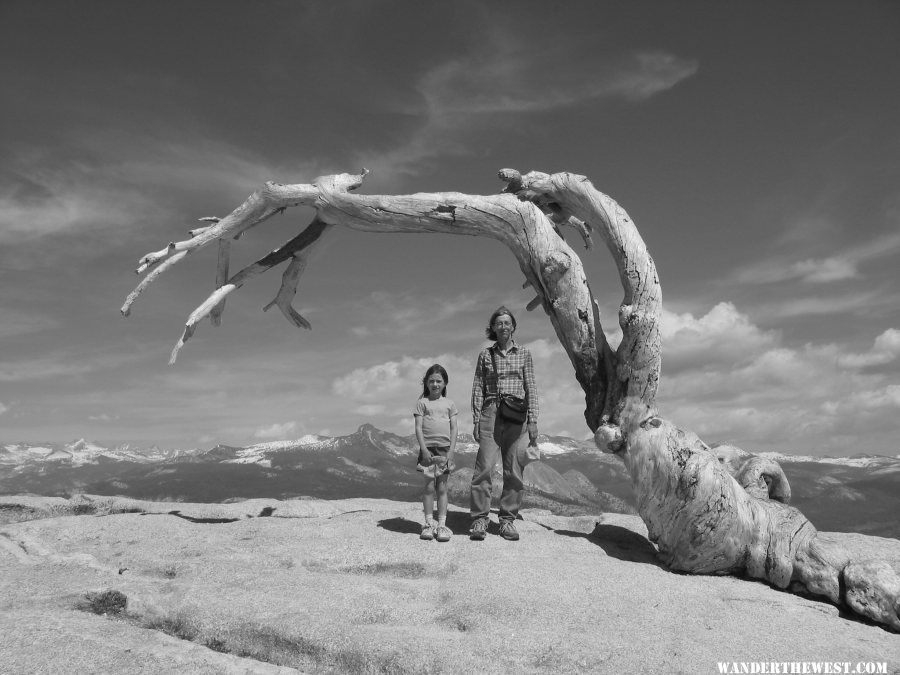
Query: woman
[[503, 369]]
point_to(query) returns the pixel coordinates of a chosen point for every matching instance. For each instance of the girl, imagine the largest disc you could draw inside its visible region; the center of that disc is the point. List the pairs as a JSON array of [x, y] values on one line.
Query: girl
[[435, 416]]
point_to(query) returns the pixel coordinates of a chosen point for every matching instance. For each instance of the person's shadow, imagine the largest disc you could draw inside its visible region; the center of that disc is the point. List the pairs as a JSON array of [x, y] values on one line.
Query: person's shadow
[[457, 521]]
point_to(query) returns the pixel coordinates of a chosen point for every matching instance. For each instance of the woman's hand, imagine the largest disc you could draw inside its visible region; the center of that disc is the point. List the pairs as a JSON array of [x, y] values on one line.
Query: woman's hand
[[532, 432], [476, 433]]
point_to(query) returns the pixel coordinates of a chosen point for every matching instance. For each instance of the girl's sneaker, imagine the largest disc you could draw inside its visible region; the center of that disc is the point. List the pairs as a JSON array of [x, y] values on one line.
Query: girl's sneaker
[[443, 533], [427, 531]]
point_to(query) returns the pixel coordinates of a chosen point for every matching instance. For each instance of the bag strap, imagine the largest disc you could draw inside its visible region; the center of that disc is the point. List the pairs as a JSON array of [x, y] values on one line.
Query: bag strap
[[496, 372]]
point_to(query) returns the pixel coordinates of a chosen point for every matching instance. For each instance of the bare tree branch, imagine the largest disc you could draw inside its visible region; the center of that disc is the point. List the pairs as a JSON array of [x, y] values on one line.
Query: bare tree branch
[[708, 512]]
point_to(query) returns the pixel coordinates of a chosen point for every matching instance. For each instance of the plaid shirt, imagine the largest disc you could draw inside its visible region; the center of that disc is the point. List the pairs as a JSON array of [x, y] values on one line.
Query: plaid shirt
[[514, 375]]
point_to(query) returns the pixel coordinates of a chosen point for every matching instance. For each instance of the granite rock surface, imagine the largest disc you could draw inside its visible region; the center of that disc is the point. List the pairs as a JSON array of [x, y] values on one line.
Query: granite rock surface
[[308, 585]]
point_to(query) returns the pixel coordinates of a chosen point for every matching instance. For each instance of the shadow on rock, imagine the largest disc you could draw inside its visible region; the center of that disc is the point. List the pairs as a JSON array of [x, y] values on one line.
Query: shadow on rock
[[211, 521], [620, 543], [400, 525], [458, 523]]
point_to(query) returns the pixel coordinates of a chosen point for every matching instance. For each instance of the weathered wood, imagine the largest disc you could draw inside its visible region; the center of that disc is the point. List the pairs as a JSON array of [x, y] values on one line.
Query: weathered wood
[[708, 512], [215, 316]]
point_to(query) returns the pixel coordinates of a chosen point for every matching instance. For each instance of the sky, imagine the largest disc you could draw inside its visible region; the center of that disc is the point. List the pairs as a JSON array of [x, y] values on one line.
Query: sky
[[756, 146]]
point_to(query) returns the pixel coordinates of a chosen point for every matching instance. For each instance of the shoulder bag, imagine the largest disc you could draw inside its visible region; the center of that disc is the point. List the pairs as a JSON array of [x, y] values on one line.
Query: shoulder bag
[[510, 408]]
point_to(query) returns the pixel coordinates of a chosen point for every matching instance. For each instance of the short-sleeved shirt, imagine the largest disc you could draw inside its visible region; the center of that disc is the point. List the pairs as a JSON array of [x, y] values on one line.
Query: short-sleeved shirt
[[436, 416]]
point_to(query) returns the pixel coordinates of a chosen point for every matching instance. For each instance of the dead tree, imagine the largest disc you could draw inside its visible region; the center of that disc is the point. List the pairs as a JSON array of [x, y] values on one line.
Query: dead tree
[[720, 511]]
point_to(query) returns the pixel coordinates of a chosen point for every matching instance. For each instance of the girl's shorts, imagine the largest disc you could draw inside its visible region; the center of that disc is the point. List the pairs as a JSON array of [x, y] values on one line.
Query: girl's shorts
[[425, 464]]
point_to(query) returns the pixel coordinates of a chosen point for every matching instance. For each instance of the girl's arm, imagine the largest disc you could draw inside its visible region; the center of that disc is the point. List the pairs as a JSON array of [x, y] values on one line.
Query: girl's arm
[[420, 437], [453, 431]]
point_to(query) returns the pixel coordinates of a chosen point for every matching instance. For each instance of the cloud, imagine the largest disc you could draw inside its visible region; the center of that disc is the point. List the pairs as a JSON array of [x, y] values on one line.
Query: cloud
[[561, 398], [885, 350], [390, 389], [279, 431], [544, 349], [514, 76], [103, 417], [395, 308], [405, 425], [392, 383], [882, 401], [811, 270], [116, 180], [889, 342], [384, 311], [58, 364], [840, 267], [17, 322], [792, 308], [68, 200], [722, 335], [511, 79], [3, 408], [755, 391]]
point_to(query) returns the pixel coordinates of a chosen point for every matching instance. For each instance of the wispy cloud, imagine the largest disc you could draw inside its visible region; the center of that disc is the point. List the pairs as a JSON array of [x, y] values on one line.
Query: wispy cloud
[[385, 311], [3, 408], [511, 76], [118, 179], [37, 202], [58, 364], [867, 301], [510, 79], [839, 267], [18, 322]]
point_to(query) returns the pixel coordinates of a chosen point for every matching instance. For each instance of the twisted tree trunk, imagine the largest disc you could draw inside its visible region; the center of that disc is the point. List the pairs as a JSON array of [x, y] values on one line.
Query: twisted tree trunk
[[708, 512]]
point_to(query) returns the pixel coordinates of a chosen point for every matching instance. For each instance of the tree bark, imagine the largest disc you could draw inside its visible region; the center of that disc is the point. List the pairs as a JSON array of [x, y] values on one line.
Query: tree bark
[[708, 512]]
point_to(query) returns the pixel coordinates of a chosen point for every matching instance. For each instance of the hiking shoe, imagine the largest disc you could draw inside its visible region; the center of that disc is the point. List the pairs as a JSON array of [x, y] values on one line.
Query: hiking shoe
[[478, 531], [508, 530], [427, 532], [443, 533]]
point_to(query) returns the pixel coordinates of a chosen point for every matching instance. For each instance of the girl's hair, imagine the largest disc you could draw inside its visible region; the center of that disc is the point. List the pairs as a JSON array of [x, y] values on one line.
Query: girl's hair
[[500, 311], [436, 368]]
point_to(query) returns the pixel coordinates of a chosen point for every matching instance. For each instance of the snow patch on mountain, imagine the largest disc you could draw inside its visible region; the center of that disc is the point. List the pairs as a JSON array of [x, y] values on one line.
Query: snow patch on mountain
[[554, 448], [859, 461]]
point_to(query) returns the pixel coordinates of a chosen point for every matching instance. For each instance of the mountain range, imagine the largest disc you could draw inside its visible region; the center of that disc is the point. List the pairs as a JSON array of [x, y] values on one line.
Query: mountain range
[[850, 494]]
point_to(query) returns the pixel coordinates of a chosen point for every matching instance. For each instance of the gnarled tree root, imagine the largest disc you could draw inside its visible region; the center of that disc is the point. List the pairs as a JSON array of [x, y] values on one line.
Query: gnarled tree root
[[703, 521]]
